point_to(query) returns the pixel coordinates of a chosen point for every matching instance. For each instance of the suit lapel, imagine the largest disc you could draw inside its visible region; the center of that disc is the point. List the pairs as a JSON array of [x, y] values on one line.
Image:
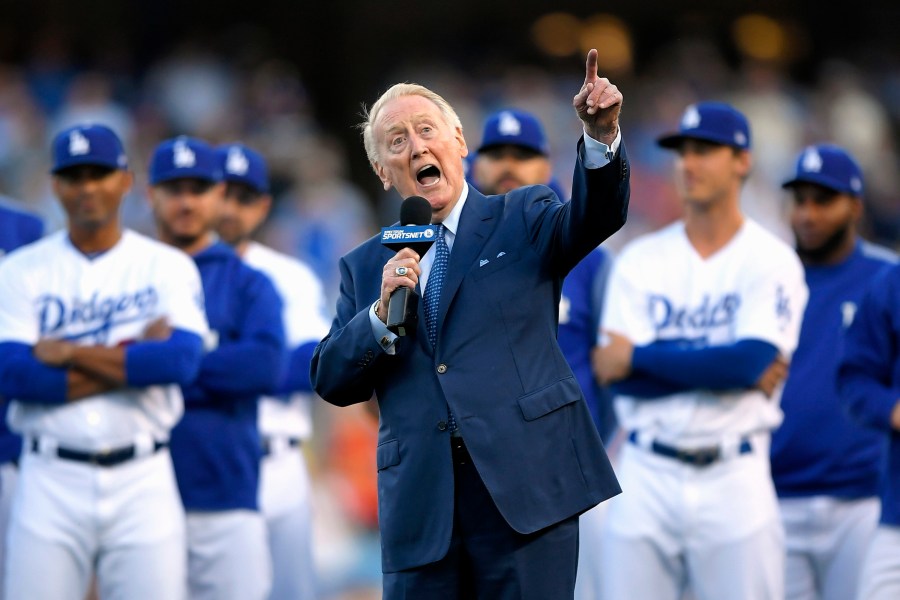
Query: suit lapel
[[475, 225]]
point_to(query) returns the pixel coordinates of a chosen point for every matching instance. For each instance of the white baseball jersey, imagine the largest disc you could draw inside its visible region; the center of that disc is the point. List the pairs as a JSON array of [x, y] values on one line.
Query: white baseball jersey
[[304, 321], [51, 290], [660, 289]]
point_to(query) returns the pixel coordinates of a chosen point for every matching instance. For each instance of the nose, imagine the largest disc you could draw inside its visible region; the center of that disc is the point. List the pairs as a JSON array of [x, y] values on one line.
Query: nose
[[805, 209], [418, 146]]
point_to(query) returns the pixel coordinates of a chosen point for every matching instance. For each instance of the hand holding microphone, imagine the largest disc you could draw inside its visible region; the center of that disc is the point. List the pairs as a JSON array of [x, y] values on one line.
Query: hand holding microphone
[[399, 302]]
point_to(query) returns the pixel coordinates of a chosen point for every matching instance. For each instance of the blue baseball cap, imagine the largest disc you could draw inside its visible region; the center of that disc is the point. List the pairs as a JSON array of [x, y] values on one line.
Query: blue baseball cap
[[88, 144], [243, 165], [184, 158], [715, 122], [829, 166], [514, 128]]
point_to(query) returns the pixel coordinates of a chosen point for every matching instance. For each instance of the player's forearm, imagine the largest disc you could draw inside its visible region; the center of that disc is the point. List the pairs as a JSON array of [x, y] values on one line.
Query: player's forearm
[[175, 360], [242, 369], [735, 366], [25, 379], [296, 377], [869, 400], [81, 385], [102, 362]]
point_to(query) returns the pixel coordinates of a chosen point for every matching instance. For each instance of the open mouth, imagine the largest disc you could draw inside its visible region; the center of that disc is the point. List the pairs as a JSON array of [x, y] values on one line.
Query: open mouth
[[428, 176]]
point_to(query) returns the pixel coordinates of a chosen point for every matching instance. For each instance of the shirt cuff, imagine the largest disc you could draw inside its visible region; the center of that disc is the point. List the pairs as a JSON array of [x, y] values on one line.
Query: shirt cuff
[[385, 336], [596, 154]]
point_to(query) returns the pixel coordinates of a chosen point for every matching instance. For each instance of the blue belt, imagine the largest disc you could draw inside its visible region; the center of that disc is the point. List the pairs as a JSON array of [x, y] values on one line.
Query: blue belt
[[698, 457]]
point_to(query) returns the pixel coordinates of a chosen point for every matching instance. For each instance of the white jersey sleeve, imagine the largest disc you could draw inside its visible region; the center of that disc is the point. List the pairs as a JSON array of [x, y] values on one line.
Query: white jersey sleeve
[[626, 306], [774, 295], [18, 320], [301, 292], [181, 292]]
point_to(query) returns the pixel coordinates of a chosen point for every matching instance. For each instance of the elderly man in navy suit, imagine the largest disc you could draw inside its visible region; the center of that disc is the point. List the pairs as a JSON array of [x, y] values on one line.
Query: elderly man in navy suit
[[487, 453]]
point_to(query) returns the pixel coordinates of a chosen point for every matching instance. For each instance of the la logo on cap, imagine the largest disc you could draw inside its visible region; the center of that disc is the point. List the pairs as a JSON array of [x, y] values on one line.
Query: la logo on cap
[[691, 118], [812, 161], [78, 144], [236, 162], [509, 124], [183, 156]]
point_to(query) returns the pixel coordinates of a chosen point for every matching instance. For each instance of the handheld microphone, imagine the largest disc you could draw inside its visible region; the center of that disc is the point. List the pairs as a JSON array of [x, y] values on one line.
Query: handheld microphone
[[416, 232]]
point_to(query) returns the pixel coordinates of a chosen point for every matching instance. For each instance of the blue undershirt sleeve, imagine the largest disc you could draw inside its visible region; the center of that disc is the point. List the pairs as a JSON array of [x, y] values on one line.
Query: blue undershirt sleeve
[[251, 364], [26, 379], [296, 378], [733, 366], [175, 360]]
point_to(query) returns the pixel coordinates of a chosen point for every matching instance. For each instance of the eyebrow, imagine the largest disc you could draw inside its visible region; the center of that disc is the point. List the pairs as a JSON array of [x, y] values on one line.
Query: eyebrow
[[415, 119]]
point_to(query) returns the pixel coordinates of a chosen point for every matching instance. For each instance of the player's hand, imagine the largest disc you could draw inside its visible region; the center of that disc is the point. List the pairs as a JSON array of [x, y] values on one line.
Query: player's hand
[[773, 376], [598, 103], [611, 359], [158, 329], [56, 353], [402, 270]]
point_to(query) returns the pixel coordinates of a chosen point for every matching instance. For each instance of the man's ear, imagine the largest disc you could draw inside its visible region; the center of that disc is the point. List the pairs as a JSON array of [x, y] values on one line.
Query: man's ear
[[382, 175], [746, 163], [128, 182], [464, 148]]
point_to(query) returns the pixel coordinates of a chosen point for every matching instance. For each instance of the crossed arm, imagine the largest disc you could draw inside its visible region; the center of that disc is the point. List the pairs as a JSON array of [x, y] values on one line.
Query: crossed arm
[[59, 371], [659, 369]]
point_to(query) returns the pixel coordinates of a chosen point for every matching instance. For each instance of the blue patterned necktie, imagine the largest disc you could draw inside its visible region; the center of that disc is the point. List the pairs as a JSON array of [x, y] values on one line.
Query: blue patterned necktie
[[433, 298], [435, 282]]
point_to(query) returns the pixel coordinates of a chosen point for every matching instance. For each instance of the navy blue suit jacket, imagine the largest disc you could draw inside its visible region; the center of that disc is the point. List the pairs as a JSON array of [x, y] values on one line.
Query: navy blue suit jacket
[[496, 363]]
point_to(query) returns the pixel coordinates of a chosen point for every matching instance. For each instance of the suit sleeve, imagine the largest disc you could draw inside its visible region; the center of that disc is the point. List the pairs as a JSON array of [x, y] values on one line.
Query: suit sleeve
[[598, 208], [341, 369]]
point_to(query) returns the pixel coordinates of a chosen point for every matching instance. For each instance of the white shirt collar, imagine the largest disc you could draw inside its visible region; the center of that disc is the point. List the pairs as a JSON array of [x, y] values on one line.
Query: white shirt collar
[[451, 223]]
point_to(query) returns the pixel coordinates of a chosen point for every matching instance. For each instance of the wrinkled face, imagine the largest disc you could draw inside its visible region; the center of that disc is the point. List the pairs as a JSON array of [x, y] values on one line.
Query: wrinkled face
[[706, 172], [243, 211], [823, 220], [501, 169], [91, 195], [186, 209], [420, 154]]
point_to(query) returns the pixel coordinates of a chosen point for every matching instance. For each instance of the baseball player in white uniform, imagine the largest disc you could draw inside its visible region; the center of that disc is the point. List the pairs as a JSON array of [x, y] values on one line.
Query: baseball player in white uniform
[[285, 420], [98, 326], [700, 319]]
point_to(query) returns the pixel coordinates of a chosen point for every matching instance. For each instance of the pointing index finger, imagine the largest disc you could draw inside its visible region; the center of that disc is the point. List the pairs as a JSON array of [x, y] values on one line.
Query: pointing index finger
[[590, 67]]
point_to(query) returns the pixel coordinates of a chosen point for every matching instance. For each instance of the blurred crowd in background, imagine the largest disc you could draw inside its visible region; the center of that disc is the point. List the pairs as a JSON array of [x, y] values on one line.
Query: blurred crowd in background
[[325, 204]]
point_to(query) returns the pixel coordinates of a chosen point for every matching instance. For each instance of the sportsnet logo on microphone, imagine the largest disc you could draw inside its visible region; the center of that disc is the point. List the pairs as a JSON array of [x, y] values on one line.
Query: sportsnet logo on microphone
[[408, 236]]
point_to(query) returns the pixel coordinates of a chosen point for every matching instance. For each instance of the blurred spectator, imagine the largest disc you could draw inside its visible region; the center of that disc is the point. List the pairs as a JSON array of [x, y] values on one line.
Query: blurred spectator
[[322, 215]]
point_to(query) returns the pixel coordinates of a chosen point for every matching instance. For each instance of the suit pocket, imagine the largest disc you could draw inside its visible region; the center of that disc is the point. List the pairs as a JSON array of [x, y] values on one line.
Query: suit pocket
[[495, 264], [387, 454], [546, 400]]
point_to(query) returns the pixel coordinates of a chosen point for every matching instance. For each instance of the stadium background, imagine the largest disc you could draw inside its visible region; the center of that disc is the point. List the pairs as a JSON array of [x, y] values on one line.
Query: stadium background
[[290, 78]]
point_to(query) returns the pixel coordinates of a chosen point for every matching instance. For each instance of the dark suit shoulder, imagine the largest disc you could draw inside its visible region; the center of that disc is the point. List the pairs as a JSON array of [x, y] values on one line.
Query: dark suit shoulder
[[364, 249]]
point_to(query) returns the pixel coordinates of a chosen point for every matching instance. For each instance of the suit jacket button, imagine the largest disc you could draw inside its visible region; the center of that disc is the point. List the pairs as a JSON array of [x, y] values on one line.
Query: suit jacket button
[[442, 425], [442, 368], [369, 354]]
